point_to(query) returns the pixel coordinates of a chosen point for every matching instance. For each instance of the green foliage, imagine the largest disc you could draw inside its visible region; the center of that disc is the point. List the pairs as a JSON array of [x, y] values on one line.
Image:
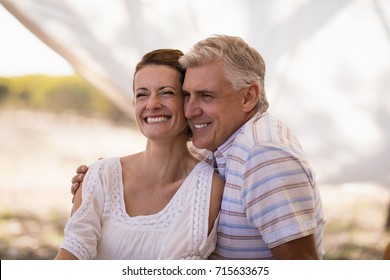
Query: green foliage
[[57, 94]]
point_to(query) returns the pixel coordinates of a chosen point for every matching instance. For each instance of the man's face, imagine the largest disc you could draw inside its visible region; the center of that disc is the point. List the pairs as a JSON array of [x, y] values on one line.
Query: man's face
[[211, 105]]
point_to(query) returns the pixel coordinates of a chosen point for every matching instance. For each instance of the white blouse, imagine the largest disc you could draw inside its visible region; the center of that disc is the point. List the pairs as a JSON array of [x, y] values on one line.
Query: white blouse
[[102, 229]]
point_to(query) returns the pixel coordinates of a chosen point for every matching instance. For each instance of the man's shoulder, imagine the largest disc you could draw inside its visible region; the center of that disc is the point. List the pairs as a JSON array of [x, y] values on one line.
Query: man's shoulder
[[265, 128], [265, 132], [256, 131]]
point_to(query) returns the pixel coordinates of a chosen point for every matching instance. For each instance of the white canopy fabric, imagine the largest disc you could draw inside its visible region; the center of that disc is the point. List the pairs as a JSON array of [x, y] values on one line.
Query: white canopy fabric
[[328, 62], [103, 39]]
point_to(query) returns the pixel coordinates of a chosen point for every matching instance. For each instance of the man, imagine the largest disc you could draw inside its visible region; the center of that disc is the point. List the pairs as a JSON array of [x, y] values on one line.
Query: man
[[271, 205]]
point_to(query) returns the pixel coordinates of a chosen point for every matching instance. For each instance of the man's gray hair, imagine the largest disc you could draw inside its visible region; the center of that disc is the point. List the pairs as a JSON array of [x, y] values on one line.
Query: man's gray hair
[[242, 63]]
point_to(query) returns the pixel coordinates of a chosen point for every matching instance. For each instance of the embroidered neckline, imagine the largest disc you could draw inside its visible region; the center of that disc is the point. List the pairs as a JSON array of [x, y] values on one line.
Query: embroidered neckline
[[159, 220]]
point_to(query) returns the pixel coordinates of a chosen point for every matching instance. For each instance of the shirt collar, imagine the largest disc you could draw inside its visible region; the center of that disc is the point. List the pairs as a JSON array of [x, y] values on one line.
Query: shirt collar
[[220, 156]]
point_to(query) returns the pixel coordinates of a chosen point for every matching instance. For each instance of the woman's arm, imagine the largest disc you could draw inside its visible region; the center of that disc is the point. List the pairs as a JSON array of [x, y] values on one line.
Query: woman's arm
[[83, 229], [65, 255]]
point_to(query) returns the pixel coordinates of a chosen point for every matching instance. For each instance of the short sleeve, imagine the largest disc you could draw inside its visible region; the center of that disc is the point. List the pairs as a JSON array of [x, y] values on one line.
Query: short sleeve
[[83, 229], [278, 195]]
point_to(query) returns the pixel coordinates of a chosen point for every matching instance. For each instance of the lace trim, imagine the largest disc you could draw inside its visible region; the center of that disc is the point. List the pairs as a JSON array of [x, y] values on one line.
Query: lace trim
[[199, 182], [163, 219], [201, 206], [70, 243], [76, 248], [89, 190]]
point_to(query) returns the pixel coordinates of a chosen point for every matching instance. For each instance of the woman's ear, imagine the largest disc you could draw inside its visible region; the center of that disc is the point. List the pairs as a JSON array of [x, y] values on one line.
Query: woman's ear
[[251, 97]]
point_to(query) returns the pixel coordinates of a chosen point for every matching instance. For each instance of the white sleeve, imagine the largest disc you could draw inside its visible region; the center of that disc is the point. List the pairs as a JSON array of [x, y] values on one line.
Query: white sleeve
[[83, 229]]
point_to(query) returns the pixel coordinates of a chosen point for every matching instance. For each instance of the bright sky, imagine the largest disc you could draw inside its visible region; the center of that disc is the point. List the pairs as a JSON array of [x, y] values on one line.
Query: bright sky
[[22, 53]]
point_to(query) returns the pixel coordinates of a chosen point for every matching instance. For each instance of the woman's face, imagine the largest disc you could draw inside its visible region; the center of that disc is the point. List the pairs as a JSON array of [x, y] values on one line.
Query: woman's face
[[159, 102]]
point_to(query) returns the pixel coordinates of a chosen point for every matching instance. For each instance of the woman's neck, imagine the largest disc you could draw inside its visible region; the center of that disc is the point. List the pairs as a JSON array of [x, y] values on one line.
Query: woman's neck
[[169, 161]]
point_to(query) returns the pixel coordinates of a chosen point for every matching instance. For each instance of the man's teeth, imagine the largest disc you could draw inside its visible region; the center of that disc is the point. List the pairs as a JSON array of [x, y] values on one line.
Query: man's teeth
[[157, 120], [203, 125]]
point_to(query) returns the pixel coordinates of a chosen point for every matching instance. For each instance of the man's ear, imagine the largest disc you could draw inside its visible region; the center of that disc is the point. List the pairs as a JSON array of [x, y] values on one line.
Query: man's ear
[[250, 98]]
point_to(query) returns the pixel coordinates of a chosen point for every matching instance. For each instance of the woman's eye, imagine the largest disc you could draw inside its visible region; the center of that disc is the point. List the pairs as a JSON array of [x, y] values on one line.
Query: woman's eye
[[141, 94], [167, 93]]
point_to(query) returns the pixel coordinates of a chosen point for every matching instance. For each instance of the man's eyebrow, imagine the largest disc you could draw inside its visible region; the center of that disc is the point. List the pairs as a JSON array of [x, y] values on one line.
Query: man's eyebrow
[[200, 91]]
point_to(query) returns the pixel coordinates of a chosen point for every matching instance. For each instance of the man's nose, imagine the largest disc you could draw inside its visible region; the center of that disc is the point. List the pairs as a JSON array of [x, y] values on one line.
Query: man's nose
[[191, 108]]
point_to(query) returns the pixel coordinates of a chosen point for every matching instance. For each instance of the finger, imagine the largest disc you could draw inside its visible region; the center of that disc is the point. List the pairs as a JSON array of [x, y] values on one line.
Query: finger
[[77, 178], [74, 188], [81, 169]]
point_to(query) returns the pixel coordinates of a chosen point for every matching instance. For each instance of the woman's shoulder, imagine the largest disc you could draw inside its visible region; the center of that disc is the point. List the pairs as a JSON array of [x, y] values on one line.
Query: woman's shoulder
[[103, 174], [105, 162], [210, 177], [104, 166], [203, 176], [202, 165]]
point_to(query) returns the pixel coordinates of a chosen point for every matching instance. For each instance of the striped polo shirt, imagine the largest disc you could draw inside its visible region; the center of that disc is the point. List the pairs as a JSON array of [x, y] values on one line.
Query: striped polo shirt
[[270, 194]]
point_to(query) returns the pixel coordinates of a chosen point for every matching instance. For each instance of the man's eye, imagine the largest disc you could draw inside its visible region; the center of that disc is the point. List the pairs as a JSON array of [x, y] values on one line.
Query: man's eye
[[207, 96]]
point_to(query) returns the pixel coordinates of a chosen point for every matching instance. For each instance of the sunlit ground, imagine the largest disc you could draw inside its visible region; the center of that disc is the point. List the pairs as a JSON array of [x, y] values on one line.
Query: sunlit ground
[[39, 153]]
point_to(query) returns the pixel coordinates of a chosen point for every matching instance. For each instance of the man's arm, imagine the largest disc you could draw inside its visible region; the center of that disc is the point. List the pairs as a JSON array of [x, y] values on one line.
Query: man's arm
[[77, 181], [77, 199], [299, 249], [278, 181]]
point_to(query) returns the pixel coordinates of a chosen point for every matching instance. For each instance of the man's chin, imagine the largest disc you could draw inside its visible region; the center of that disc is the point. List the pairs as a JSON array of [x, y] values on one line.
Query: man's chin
[[198, 144], [201, 145]]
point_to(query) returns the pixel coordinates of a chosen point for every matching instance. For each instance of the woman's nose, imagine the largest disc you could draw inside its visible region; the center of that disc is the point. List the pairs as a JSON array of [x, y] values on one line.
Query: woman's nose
[[153, 103]]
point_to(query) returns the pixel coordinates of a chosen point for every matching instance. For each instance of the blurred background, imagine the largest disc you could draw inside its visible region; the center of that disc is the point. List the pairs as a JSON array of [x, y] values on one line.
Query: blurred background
[[65, 99]]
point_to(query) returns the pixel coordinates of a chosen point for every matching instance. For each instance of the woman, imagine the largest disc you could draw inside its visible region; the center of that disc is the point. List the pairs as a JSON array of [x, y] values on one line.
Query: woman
[[158, 204]]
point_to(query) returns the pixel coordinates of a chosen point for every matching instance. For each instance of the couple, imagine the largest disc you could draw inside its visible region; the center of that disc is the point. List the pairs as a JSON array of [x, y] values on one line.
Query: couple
[[164, 203]]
